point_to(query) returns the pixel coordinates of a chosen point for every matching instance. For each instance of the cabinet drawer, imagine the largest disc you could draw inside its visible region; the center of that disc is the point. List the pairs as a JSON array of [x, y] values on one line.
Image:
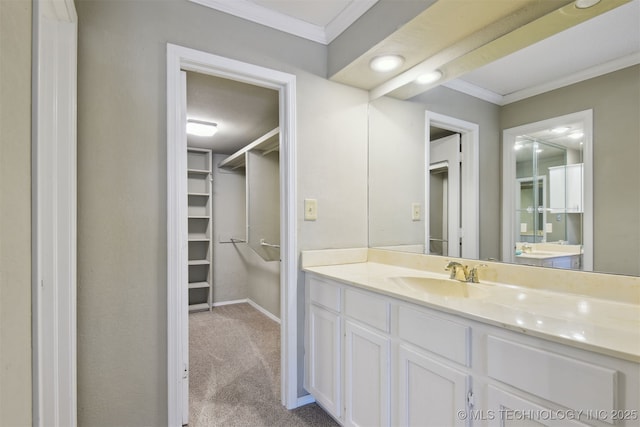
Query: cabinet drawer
[[569, 382], [367, 308], [440, 336], [324, 293]]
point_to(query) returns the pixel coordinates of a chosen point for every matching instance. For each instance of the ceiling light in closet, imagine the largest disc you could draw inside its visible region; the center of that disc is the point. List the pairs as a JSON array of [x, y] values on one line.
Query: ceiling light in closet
[[201, 128], [430, 77], [385, 63]]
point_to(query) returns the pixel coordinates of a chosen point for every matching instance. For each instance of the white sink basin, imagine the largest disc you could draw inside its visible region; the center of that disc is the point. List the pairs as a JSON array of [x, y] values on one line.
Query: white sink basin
[[440, 287]]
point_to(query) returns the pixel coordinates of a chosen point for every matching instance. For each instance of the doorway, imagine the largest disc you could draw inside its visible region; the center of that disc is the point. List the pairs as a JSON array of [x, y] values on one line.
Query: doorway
[[444, 195], [466, 206], [185, 59], [233, 143]]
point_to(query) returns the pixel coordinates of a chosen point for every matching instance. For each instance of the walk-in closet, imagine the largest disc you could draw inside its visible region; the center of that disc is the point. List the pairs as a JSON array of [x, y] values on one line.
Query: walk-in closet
[[233, 228]]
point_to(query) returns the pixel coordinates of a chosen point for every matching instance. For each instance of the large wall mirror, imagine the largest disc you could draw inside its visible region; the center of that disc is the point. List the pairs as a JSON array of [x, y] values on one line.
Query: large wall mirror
[[398, 133]]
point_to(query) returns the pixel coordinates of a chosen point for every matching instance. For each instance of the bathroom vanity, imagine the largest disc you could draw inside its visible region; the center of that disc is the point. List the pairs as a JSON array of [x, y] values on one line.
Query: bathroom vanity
[[391, 340]]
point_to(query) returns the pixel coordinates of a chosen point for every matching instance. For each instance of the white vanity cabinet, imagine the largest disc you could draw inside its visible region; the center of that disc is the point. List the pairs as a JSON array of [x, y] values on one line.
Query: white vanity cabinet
[[433, 382], [323, 344], [367, 370], [377, 360]]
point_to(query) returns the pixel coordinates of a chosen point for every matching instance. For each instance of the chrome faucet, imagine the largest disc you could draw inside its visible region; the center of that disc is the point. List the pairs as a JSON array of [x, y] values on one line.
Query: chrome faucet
[[526, 248], [467, 275]]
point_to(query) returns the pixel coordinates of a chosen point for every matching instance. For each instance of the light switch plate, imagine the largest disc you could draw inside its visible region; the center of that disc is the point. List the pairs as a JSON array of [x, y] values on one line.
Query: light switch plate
[[416, 211], [310, 209]]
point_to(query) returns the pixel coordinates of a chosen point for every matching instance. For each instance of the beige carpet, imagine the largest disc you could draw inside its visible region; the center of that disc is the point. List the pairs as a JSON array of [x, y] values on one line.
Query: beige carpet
[[234, 355]]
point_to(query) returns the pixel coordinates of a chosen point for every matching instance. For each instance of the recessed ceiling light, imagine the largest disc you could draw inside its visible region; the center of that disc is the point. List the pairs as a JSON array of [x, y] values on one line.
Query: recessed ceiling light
[[384, 63], [201, 128], [560, 129], [585, 4], [430, 77]]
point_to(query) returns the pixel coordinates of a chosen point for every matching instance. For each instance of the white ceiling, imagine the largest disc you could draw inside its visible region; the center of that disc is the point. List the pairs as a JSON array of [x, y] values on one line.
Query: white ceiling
[[243, 112], [603, 44], [317, 20]]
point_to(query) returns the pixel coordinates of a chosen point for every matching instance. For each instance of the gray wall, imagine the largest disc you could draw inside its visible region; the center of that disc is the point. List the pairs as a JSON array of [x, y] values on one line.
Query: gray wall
[[396, 172], [230, 280], [615, 100], [15, 213], [122, 238]]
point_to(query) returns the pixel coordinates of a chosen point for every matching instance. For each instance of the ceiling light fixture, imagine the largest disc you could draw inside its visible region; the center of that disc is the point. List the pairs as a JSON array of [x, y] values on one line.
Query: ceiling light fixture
[[384, 63], [430, 77], [576, 135], [586, 4], [560, 129], [201, 128]]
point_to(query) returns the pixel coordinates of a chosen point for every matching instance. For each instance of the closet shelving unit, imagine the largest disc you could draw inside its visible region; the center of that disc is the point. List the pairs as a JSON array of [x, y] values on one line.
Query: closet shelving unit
[[199, 176], [267, 143]]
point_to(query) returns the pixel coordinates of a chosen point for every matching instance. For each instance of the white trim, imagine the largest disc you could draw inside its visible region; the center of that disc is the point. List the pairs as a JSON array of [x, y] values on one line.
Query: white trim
[[262, 15], [263, 311], [306, 400], [54, 229], [469, 182], [509, 179], [463, 86], [346, 18], [231, 302], [252, 304], [580, 76], [182, 58]]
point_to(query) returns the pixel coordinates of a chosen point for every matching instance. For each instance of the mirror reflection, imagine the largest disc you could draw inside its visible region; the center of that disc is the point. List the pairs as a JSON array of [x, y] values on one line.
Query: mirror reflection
[[548, 213], [549, 197]]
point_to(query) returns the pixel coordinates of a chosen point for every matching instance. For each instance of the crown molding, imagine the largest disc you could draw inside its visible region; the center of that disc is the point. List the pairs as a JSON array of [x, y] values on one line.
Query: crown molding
[[348, 16], [264, 16], [463, 86]]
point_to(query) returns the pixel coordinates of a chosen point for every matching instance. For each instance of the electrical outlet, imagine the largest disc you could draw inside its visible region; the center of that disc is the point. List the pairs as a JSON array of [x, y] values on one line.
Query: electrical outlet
[[310, 209], [416, 211]]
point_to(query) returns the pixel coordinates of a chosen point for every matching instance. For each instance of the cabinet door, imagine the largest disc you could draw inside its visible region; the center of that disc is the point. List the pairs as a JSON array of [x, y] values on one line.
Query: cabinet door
[[430, 393], [324, 354], [367, 372], [506, 409], [574, 187]]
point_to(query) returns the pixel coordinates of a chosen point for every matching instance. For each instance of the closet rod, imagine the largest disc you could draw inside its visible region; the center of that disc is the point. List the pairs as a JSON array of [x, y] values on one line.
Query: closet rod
[[263, 243]]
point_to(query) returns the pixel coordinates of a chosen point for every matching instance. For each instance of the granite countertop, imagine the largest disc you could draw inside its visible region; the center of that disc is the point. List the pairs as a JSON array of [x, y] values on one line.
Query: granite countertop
[[599, 325]]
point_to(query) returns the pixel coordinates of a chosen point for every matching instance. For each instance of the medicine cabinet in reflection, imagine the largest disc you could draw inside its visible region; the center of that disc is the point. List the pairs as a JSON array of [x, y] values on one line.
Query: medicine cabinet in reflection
[[546, 193]]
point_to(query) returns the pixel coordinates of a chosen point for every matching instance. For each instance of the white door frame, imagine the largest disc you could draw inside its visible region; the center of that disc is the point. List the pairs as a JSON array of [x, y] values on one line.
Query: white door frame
[[54, 171], [182, 58], [446, 151], [509, 181], [469, 179]]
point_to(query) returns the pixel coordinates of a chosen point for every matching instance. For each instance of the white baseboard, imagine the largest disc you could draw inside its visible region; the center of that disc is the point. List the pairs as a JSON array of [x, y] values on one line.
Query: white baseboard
[[252, 304], [305, 400], [263, 311], [235, 301]]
